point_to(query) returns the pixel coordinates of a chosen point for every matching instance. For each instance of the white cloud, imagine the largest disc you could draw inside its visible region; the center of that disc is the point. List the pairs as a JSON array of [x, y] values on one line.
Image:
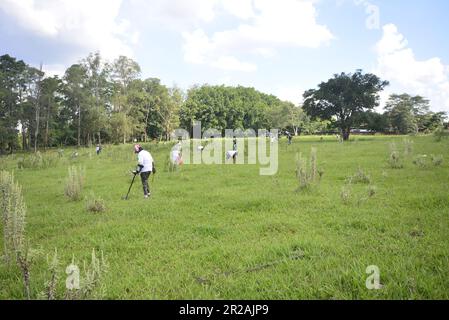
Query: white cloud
[[88, 24], [175, 14], [398, 64], [198, 49], [233, 64], [242, 9], [54, 70], [293, 94], [272, 25]]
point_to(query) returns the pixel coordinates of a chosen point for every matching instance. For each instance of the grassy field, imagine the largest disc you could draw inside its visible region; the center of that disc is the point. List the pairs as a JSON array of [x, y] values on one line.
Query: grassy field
[[225, 232]]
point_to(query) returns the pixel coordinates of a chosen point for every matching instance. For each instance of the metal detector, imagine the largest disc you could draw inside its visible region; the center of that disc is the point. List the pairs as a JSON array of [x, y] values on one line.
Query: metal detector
[[129, 190]]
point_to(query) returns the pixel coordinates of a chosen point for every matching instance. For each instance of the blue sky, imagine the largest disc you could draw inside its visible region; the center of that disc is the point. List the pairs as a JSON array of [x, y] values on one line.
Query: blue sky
[[282, 47]]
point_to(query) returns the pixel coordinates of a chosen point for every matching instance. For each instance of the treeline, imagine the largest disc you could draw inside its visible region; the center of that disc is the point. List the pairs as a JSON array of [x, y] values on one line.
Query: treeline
[[97, 102]]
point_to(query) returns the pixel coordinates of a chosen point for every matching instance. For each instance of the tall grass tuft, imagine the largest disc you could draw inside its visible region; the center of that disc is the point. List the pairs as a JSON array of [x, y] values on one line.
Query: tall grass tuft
[[307, 174], [38, 161], [50, 291], [437, 160], [346, 194], [421, 161], [441, 133], [74, 183], [13, 210], [95, 204], [91, 285], [395, 161], [408, 147], [360, 177]]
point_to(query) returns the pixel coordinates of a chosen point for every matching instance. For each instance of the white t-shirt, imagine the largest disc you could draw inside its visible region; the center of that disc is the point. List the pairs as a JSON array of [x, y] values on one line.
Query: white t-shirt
[[146, 160], [231, 154], [175, 155]]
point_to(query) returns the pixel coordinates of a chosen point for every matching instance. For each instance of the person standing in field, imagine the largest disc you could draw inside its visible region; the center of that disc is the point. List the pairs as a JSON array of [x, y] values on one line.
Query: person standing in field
[[98, 149], [145, 167], [289, 136]]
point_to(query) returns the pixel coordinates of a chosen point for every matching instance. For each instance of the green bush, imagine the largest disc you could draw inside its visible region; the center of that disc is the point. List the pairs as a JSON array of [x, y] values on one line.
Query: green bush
[[440, 134]]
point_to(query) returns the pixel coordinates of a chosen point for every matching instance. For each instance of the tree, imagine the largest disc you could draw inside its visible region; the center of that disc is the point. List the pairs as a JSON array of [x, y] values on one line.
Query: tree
[[50, 103], [36, 77], [124, 72], [343, 97], [221, 108], [11, 88], [373, 121], [76, 95], [100, 90]]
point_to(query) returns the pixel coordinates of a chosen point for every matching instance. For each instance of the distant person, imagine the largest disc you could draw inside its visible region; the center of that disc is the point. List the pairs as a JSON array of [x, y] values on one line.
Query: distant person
[[145, 167], [290, 138], [98, 149], [232, 154], [176, 155]]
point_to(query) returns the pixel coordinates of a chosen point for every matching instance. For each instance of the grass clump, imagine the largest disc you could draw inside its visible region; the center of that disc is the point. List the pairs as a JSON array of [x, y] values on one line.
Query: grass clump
[[95, 204], [408, 147], [437, 160], [13, 211], [360, 177], [77, 286], [91, 285], [346, 194], [307, 174], [441, 133], [74, 184], [372, 191], [395, 161], [37, 161], [421, 161]]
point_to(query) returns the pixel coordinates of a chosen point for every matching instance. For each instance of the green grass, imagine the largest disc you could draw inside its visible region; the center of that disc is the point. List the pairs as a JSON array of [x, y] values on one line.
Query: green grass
[[225, 232]]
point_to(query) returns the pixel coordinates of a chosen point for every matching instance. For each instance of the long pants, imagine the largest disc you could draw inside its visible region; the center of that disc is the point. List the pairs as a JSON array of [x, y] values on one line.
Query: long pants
[[146, 187]]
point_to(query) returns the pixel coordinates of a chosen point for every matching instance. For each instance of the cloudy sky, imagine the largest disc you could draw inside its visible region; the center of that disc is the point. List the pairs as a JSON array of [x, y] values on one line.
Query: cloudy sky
[[282, 47]]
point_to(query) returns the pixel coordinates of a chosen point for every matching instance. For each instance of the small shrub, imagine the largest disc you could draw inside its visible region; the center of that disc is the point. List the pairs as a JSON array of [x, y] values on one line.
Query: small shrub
[[88, 285], [346, 194], [50, 291], [395, 160], [421, 161], [91, 285], [95, 205], [307, 175], [360, 177], [313, 164], [74, 183], [372, 191], [440, 134], [302, 173], [13, 211], [437, 161], [408, 147]]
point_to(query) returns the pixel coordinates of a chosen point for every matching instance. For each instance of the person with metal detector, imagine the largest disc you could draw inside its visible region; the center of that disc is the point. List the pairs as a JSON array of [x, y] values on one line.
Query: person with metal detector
[[145, 168]]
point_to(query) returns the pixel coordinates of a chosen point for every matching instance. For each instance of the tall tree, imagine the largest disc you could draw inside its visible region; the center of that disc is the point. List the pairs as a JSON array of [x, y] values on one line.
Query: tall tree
[[49, 102], [343, 97], [11, 88], [100, 92], [124, 72], [76, 95]]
